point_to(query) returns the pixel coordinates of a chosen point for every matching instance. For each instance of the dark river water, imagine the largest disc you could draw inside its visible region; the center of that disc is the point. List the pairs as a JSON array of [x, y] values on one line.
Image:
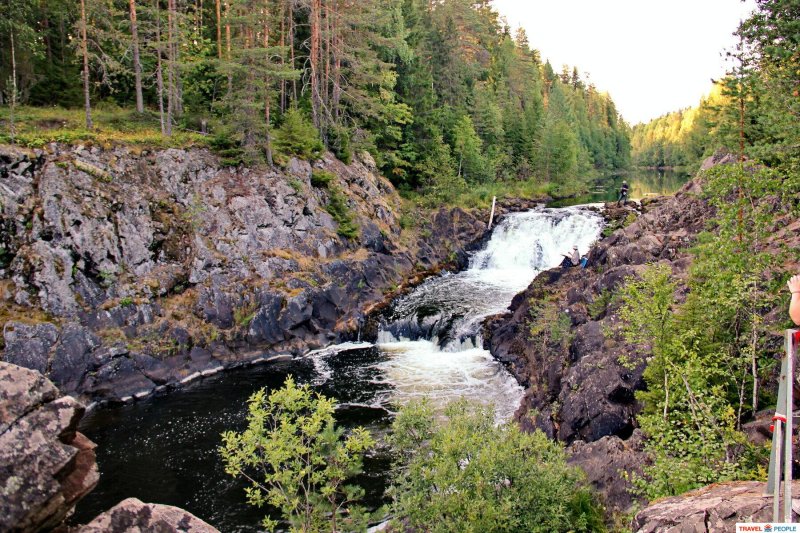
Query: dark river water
[[163, 449], [643, 183]]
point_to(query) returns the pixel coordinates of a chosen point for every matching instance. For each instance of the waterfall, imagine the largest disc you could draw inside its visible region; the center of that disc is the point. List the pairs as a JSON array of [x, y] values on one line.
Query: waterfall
[[449, 310], [430, 340]]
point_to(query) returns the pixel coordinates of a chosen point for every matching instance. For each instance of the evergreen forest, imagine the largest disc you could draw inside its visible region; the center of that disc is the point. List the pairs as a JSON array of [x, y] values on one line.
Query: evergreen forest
[[441, 93]]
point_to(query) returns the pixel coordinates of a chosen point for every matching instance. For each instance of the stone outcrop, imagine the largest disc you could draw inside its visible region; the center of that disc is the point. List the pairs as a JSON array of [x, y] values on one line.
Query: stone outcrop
[[710, 509], [132, 515], [127, 272], [604, 461], [46, 465]]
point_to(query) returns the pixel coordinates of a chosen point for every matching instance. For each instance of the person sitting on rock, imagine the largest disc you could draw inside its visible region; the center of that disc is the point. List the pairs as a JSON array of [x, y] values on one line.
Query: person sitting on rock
[[573, 259], [623, 194]]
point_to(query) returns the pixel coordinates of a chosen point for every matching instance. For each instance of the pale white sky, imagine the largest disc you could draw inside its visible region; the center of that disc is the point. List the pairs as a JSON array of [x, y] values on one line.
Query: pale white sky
[[651, 56]]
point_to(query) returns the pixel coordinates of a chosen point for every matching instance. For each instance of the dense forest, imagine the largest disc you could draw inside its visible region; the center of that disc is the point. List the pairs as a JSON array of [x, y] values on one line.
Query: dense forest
[[752, 112], [440, 92]]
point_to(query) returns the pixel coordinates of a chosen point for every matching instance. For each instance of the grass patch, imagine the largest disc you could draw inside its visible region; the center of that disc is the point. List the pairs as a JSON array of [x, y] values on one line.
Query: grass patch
[[38, 126]]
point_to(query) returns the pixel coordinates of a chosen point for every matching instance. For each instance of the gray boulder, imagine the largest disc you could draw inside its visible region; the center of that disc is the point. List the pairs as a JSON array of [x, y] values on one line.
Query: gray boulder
[[134, 516], [711, 509]]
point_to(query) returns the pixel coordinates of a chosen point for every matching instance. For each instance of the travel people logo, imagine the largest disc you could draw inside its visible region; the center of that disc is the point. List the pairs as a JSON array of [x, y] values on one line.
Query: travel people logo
[[764, 527]]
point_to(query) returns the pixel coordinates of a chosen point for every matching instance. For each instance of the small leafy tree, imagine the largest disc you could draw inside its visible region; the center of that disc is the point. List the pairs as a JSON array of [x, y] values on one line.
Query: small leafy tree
[[689, 421], [296, 460], [468, 474], [297, 136]]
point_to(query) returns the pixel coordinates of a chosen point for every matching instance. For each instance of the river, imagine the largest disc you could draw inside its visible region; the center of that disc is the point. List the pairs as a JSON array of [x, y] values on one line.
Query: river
[[644, 183], [163, 449]]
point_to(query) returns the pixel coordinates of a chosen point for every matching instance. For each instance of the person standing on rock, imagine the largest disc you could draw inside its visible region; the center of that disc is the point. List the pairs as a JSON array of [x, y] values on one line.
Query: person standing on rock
[[623, 194]]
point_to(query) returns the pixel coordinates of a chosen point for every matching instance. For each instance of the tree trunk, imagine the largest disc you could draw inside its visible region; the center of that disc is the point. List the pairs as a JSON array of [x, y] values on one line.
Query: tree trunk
[[85, 52], [159, 71], [170, 67], [13, 103], [291, 50], [326, 76], [228, 44], [283, 56], [137, 65], [175, 52], [268, 143], [337, 67], [219, 31], [314, 61]]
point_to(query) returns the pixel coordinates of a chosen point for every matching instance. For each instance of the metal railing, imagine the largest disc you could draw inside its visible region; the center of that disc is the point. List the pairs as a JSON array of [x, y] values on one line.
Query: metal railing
[[782, 435]]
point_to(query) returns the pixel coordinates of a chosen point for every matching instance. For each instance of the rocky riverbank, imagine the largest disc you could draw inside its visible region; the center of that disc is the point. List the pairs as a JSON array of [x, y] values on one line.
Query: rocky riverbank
[[127, 272], [562, 339], [46, 465]]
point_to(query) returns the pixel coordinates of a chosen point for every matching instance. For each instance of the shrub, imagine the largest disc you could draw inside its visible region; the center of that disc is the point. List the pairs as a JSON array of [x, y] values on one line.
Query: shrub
[[297, 136], [468, 474], [227, 147], [296, 460], [321, 178], [337, 207]]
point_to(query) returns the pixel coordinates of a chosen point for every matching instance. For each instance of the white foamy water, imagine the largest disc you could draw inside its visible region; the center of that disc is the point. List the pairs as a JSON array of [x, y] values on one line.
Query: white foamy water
[[432, 341]]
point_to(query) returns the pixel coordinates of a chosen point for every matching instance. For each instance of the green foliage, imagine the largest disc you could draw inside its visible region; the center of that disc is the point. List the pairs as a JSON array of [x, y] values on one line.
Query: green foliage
[[297, 136], [597, 308], [710, 354], [225, 144], [549, 325], [296, 460], [337, 207], [466, 473], [321, 178]]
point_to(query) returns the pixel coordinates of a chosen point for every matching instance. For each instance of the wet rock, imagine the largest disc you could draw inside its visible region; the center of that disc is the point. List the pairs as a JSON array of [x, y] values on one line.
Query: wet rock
[[29, 345], [132, 515], [118, 380], [265, 326], [73, 356], [46, 466], [709, 509]]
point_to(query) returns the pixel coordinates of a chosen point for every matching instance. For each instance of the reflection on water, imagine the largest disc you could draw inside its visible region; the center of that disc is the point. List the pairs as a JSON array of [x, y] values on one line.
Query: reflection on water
[[643, 183]]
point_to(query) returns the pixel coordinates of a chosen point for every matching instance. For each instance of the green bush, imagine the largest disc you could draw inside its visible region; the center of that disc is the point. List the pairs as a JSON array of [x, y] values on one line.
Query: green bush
[[468, 474], [225, 144], [338, 209], [296, 460], [297, 136], [321, 178]]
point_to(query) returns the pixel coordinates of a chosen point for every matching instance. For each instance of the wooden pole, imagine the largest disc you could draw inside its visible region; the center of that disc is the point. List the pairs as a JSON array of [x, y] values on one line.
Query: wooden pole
[[491, 216]]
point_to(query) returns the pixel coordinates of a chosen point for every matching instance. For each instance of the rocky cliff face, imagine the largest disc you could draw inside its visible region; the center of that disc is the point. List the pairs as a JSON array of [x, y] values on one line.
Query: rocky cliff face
[[126, 272], [563, 341]]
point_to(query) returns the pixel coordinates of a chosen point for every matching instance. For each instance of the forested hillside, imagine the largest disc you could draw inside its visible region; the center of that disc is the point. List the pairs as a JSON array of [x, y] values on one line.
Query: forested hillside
[[752, 112], [440, 92]]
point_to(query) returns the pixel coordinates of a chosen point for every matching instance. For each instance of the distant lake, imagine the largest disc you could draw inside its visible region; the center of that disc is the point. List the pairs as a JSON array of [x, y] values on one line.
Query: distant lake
[[643, 183]]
